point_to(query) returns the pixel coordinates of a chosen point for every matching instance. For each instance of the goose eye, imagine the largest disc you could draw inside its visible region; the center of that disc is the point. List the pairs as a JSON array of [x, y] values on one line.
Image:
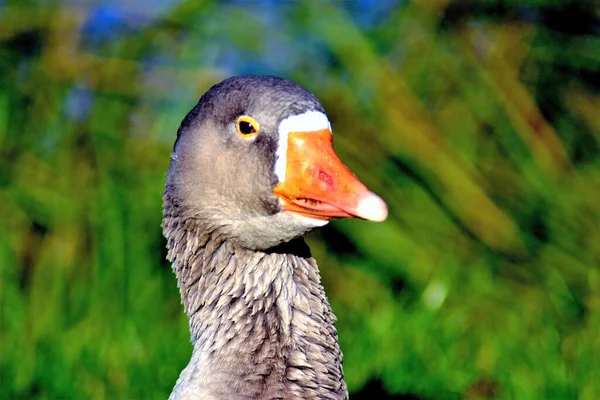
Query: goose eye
[[247, 127]]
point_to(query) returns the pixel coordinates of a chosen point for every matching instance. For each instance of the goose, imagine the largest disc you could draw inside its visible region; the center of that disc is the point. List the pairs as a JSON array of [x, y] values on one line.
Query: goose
[[252, 170]]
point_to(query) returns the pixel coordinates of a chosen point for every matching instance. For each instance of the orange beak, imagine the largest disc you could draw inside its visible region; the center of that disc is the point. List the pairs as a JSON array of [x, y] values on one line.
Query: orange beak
[[318, 185]]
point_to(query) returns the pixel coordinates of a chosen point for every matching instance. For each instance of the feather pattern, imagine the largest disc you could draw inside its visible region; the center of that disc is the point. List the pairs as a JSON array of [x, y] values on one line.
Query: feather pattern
[[260, 322]]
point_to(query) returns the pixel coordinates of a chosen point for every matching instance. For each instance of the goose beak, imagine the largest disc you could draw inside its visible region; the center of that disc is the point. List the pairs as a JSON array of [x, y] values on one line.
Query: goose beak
[[318, 185]]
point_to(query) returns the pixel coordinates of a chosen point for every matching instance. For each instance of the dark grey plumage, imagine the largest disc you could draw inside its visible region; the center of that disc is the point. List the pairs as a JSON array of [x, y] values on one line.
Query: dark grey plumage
[[260, 322]]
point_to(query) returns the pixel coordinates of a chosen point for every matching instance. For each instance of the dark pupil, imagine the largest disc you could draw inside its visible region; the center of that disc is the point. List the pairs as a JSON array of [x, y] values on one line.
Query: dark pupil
[[246, 127]]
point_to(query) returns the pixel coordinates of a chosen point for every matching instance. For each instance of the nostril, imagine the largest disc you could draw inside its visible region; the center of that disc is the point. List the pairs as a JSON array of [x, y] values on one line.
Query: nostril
[[325, 177]]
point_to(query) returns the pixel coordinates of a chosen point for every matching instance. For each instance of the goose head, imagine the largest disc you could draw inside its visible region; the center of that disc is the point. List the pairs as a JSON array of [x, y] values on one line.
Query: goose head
[[254, 162]]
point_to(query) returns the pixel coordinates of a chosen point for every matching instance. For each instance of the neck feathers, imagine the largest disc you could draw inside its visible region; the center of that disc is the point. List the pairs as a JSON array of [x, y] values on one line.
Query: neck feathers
[[260, 323]]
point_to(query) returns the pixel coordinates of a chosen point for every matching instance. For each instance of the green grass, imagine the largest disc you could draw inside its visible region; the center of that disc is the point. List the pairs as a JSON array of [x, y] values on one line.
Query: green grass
[[481, 135]]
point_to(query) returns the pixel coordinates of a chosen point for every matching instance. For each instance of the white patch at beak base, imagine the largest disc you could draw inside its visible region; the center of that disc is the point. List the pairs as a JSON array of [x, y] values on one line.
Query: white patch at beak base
[[305, 122]]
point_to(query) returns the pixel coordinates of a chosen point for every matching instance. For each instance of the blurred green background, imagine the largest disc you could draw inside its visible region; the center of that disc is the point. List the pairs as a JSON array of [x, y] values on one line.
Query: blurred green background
[[477, 121]]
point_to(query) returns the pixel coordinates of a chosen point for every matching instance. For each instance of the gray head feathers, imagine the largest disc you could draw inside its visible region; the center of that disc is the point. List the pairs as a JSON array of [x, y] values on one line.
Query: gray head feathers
[[227, 182]]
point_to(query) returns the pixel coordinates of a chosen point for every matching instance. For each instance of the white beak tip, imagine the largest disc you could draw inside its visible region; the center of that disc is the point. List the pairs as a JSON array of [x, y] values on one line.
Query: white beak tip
[[371, 207]]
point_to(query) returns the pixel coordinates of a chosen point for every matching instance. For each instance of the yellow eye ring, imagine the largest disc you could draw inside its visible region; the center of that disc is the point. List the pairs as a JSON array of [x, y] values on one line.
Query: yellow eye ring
[[247, 127]]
